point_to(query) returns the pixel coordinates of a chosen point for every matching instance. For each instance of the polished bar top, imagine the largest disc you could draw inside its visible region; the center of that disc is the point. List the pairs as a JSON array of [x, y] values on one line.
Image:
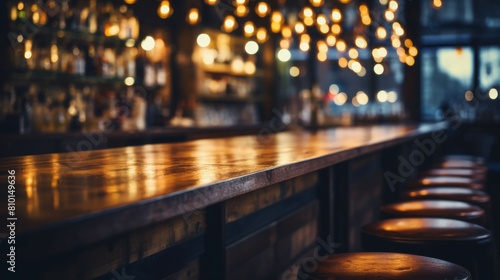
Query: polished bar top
[[83, 197]]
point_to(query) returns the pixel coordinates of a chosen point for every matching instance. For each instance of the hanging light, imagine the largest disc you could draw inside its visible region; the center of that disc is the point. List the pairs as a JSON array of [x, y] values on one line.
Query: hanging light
[[336, 15], [165, 10], [321, 19], [361, 42], [276, 16], [331, 40], [130, 2], [353, 53], [240, 2], [261, 35], [249, 29], [229, 23], [241, 10], [317, 3], [381, 32], [336, 29], [299, 27], [341, 45], [262, 9], [286, 32], [193, 16], [212, 2], [276, 21], [437, 4]]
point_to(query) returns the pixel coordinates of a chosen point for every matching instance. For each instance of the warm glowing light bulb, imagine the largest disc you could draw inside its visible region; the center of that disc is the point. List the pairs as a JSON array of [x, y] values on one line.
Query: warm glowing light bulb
[[249, 29], [336, 29], [362, 98], [262, 9], [343, 62], [212, 2], [317, 3], [148, 43], [322, 46], [392, 96], [193, 16], [336, 15], [304, 46], [305, 38], [321, 19], [382, 96], [130, 2], [251, 47], [381, 32], [286, 32], [299, 27], [469, 95], [165, 10], [241, 10], [341, 45], [294, 71], [229, 23], [284, 55], [203, 40], [378, 69], [393, 5], [361, 42], [322, 56], [276, 16], [389, 15], [353, 53], [261, 35], [307, 12], [437, 4], [331, 40]]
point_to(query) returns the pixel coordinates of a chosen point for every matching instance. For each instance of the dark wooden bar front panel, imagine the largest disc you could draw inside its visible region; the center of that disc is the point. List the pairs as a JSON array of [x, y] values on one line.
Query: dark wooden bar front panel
[[232, 208]]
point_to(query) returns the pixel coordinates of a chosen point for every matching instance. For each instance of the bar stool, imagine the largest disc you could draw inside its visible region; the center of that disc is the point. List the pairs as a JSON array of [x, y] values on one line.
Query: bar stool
[[448, 181], [387, 266], [459, 242], [434, 209], [475, 159], [475, 197], [460, 164], [450, 172]]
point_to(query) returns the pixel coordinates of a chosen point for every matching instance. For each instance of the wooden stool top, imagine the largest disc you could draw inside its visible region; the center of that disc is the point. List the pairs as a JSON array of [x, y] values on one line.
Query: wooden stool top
[[447, 239], [387, 266], [472, 196], [434, 208], [445, 181], [427, 229], [451, 172]]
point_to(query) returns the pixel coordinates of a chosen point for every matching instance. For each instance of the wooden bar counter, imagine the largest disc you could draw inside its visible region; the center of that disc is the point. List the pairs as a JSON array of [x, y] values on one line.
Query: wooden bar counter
[[247, 207]]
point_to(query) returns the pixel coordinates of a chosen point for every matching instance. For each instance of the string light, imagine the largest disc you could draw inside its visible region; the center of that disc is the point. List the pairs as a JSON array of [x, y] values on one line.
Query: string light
[[249, 29], [212, 2], [229, 24], [165, 10], [262, 9], [193, 16], [317, 3]]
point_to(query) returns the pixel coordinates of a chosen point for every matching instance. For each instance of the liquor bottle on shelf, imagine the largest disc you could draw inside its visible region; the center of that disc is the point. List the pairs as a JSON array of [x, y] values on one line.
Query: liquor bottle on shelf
[[92, 18]]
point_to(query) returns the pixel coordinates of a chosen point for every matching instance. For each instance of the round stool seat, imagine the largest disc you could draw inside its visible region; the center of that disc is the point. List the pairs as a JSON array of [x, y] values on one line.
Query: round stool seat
[[461, 164], [435, 181], [447, 172], [475, 197], [477, 160], [447, 239], [387, 266], [434, 209]]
